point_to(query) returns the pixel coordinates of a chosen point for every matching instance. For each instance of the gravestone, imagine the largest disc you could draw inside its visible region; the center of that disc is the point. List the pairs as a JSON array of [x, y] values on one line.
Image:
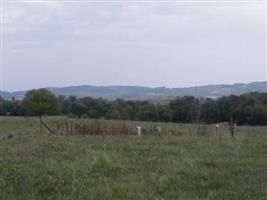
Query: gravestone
[[139, 130]]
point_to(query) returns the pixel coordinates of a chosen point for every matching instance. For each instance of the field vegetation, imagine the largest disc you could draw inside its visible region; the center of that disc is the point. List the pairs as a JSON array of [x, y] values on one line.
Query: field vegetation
[[182, 161]]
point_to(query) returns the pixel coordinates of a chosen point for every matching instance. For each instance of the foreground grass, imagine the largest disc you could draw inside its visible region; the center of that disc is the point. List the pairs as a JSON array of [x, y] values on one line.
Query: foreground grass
[[187, 166]]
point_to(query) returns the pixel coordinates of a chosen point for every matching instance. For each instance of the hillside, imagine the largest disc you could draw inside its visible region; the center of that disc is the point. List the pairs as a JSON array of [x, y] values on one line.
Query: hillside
[[139, 92]]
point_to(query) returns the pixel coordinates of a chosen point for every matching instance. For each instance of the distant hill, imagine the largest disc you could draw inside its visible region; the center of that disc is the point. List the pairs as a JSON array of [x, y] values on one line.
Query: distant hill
[[139, 93]]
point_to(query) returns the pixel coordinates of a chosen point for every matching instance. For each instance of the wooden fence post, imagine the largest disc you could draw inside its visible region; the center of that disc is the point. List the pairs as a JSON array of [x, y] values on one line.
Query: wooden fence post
[[232, 128]]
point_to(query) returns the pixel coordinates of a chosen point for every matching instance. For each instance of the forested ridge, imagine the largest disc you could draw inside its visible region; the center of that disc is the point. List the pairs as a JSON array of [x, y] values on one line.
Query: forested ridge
[[149, 93]]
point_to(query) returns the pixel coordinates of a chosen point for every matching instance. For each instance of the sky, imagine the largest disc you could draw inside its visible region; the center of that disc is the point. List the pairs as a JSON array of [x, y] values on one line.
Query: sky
[[146, 43]]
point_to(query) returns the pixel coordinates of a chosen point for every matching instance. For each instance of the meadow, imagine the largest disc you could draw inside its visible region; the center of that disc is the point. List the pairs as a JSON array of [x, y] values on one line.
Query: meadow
[[101, 159]]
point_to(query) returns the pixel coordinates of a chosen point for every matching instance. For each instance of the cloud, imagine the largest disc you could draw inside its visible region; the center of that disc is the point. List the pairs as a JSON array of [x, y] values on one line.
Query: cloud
[[26, 15], [134, 43], [85, 19]]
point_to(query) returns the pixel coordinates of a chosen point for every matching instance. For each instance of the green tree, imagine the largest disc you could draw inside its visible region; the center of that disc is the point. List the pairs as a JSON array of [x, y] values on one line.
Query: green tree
[[78, 108], [227, 105], [210, 111], [185, 109], [164, 113], [146, 111], [251, 111], [41, 102]]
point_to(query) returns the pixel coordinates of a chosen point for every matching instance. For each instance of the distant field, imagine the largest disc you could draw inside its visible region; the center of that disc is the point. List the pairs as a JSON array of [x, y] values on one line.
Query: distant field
[[107, 161]]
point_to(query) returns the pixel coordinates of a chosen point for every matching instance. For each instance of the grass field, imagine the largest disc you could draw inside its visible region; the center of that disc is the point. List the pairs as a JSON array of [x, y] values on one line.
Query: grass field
[[187, 162]]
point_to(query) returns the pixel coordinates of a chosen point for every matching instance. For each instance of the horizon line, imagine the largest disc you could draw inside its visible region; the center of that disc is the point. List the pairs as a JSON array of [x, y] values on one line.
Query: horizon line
[[133, 85]]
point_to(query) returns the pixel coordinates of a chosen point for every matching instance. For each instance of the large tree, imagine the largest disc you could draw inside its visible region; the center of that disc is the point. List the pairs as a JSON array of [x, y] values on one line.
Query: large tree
[[185, 109], [41, 102]]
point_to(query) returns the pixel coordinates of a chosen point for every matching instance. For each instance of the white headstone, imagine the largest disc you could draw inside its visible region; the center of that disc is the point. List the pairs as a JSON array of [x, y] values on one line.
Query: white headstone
[[139, 130], [159, 129]]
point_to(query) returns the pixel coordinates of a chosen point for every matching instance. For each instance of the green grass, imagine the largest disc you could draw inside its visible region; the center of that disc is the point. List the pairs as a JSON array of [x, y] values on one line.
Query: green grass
[[185, 165]]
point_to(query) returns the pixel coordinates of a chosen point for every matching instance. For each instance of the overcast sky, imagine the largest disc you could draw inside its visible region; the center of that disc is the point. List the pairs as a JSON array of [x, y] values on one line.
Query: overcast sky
[[153, 44]]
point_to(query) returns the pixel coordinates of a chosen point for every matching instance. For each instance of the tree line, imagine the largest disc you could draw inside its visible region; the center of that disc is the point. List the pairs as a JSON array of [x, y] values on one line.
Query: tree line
[[249, 108]]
